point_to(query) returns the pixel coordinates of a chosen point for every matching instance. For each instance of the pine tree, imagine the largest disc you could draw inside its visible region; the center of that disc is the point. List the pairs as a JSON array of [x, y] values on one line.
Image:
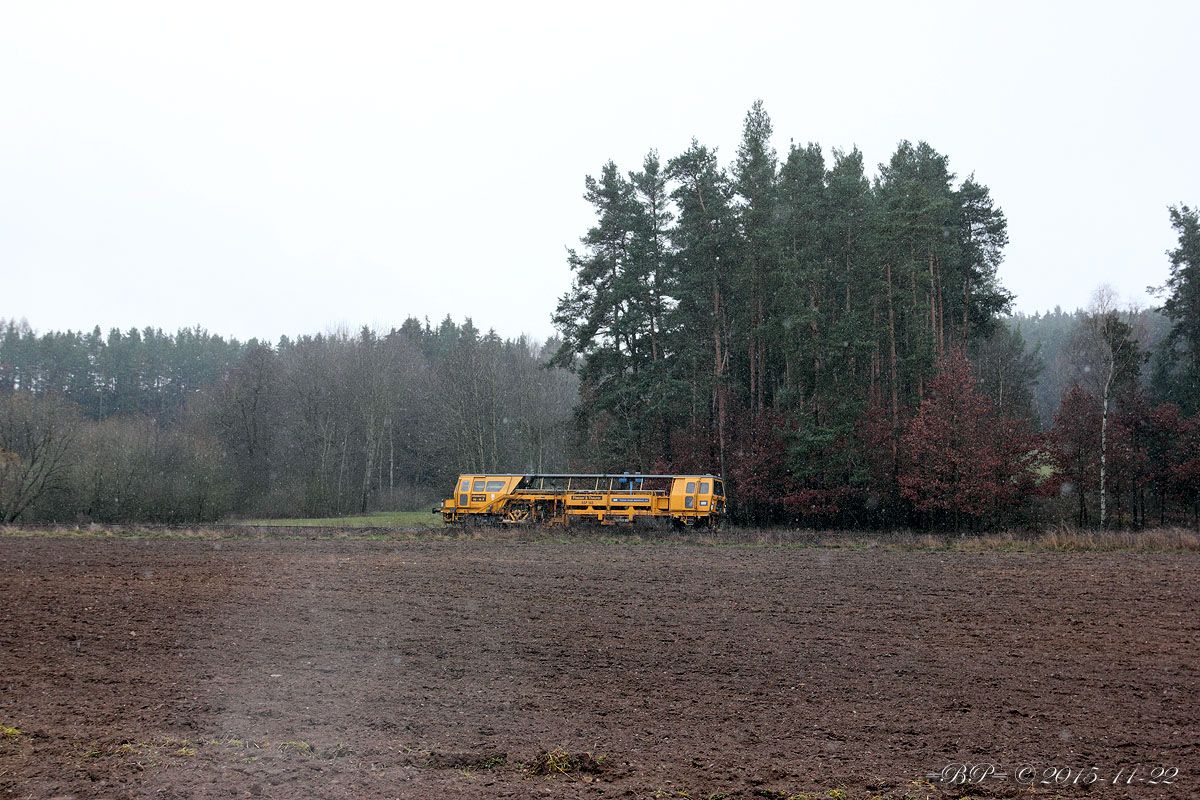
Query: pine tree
[[981, 233], [705, 247], [603, 318], [657, 388], [754, 180], [1181, 349], [802, 285]]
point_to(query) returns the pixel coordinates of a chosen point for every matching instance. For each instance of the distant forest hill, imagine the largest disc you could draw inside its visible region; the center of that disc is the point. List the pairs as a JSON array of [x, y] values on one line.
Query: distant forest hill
[[145, 426], [839, 347]]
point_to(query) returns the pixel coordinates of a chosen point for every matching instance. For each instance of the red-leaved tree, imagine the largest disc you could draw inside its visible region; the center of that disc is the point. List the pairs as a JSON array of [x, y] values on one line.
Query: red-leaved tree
[[959, 458], [1173, 455], [1185, 469], [757, 467], [1175, 451], [876, 440], [1166, 427]]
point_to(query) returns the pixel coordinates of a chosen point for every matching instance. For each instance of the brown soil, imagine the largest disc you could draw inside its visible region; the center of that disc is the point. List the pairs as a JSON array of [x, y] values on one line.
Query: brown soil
[[474, 669]]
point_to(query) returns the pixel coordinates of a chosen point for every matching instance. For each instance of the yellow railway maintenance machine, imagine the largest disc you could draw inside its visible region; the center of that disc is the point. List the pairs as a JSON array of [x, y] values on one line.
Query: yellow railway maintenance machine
[[686, 500]]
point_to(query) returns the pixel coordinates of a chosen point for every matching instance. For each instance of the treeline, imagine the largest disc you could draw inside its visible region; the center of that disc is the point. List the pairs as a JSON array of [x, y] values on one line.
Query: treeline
[[144, 426], [123, 372], [803, 329], [834, 343]]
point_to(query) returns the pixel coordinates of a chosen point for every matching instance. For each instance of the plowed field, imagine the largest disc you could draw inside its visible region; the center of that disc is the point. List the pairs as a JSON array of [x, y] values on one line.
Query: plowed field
[[375, 669]]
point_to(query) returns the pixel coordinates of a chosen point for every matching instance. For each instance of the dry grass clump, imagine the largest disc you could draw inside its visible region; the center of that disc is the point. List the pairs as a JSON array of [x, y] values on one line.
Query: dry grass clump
[[1157, 540], [1061, 540], [560, 762]]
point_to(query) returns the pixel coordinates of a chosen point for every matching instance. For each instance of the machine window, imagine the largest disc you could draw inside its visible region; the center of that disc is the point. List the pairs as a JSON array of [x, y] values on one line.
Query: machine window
[[462, 498], [466, 485], [703, 487], [720, 489], [479, 486], [691, 487], [495, 486]]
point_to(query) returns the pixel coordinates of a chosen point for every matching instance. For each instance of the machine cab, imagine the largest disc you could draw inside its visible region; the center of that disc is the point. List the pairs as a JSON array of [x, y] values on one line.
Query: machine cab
[[698, 494], [477, 491]]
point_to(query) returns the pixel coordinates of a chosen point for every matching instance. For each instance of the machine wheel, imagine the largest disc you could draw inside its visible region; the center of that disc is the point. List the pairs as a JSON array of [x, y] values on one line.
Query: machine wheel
[[518, 515]]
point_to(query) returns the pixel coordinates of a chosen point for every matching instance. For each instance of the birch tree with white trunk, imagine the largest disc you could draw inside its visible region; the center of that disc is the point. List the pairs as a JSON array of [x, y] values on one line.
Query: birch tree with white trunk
[[1106, 355]]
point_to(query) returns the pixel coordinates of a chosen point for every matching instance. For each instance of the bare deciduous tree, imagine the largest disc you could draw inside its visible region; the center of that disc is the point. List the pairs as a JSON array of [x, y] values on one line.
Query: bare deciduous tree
[[36, 437]]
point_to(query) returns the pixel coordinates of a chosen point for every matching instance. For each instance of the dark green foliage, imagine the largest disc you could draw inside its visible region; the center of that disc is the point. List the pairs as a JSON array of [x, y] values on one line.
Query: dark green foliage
[[705, 258], [144, 371], [1178, 369], [756, 270], [613, 321]]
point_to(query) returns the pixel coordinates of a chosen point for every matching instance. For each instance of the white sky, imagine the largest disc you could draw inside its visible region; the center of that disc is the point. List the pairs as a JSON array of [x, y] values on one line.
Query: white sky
[[262, 169]]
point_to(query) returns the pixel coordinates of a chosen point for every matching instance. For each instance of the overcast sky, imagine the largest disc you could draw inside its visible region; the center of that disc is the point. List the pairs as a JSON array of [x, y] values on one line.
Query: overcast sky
[[262, 169]]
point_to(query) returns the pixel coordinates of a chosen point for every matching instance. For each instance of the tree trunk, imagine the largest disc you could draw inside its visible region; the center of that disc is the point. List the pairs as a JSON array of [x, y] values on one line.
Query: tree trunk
[[1104, 456], [762, 358], [817, 365], [342, 469], [966, 305], [893, 363], [718, 376], [1081, 519], [368, 466]]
